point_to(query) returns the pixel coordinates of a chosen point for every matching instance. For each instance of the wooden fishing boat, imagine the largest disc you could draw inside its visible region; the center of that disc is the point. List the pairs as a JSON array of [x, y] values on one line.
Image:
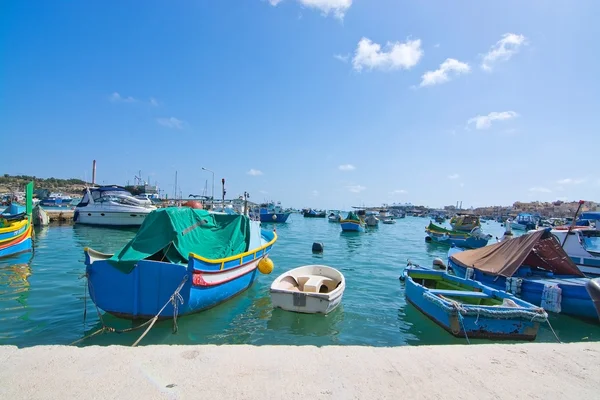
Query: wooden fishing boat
[[469, 240], [465, 222], [311, 289], [533, 267], [334, 217], [466, 308], [352, 223], [310, 213], [271, 212], [16, 228], [203, 258]]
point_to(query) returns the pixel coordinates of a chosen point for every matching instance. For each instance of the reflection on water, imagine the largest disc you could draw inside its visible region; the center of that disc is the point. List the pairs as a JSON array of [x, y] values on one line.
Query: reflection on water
[[42, 293], [352, 240], [305, 325]]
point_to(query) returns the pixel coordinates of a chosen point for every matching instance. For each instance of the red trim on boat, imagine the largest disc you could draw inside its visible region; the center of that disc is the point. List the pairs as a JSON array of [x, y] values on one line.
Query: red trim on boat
[[198, 280]]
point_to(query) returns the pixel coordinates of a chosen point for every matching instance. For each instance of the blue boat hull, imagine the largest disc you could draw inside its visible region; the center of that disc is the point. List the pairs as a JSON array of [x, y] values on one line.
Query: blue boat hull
[[576, 301], [142, 292], [475, 321], [469, 243], [352, 227], [274, 217], [13, 234], [17, 248]]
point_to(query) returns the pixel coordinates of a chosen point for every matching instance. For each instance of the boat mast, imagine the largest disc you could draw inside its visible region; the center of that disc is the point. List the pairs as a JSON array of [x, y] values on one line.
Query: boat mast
[[573, 224]]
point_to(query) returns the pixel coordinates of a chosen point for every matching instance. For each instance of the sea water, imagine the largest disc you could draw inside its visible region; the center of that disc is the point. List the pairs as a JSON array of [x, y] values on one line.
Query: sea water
[[43, 293]]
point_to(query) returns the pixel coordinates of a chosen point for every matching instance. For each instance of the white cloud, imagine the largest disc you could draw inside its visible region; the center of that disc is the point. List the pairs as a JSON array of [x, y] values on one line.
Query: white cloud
[[254, 172], [170, 122], [336, 7], [437, 45], [342, 58], [485, 121], [454, 176], [153, 102], [398, 191], [571, 181], [396, 55], [462, 184], [315, 193], [346, 167], [356, 188], [503, 50], [117, 98], [263, 192], [538, 189], [444, 72]]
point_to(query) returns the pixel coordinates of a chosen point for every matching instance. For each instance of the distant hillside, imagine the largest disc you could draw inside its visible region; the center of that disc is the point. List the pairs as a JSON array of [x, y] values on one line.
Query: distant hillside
[[9, 183]]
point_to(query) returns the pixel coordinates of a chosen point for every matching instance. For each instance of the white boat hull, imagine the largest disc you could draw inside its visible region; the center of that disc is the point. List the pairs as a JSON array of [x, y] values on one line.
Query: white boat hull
[[108, 218], [312, 305], [303, 300]]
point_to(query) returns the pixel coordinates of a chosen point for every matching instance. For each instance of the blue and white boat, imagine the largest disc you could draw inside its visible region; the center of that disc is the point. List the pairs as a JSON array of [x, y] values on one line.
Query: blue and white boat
[[466, 308], [582, 245], [56, 200], [533, 267], [271, 212], [185, 260], [524, 222], [352, 223]]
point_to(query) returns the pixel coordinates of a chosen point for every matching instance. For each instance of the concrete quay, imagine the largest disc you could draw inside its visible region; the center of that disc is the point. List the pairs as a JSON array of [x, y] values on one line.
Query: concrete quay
[[494, 371]]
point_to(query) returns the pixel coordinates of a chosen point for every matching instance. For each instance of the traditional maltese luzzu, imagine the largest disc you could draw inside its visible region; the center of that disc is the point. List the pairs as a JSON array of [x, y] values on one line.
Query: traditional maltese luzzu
[[181, 261]]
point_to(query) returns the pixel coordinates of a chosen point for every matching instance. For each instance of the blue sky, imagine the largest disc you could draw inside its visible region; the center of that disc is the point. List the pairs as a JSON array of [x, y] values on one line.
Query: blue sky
[[322, 103]]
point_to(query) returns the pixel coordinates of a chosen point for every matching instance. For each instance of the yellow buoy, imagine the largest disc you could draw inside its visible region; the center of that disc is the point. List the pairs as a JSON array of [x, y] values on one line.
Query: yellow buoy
[[265, 266]]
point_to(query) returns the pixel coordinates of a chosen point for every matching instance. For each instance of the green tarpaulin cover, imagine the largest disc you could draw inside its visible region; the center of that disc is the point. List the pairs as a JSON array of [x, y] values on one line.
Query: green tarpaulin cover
[[352, 217], [170, 234]]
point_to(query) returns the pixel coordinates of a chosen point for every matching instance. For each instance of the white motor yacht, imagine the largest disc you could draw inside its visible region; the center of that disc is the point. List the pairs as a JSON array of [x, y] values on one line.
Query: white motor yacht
[[111, 206]]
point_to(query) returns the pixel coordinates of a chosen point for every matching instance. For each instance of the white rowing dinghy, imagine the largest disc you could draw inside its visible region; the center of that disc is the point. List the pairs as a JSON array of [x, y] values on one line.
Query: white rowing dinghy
[[309, 289]]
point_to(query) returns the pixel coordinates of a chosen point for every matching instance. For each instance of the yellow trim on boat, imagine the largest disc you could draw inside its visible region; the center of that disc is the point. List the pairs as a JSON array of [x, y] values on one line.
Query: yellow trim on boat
[[222, 261], [14, 226]]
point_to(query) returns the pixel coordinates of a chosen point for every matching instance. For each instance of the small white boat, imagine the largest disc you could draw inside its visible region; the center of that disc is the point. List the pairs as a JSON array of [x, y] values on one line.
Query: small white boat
[[388, 221], [309, 289]]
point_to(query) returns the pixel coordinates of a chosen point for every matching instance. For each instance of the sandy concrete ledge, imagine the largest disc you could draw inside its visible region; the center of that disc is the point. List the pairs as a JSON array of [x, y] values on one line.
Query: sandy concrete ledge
[[525, 371]]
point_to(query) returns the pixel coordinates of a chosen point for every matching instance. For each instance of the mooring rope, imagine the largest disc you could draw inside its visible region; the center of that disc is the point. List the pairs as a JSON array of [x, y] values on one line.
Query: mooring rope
[[552, 329], [174, 299]]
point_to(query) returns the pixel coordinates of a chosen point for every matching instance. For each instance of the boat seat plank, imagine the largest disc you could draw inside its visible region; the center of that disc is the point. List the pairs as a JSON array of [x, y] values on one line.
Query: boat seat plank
[[314, 282], [459, 293]]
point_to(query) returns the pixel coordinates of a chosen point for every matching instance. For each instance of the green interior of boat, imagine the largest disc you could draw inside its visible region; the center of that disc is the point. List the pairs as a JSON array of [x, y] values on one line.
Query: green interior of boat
[[470, 295]]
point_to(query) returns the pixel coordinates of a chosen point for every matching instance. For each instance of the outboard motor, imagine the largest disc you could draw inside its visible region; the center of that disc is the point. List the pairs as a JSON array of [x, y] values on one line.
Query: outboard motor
[[593, 288]]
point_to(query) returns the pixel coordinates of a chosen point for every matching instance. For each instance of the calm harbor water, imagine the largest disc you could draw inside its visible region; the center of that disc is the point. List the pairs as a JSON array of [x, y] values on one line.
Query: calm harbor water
[[42, 293]]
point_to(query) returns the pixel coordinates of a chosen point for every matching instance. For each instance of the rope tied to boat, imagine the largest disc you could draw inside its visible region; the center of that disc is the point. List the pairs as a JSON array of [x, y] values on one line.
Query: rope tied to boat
[[535, 315], [175, 299]]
